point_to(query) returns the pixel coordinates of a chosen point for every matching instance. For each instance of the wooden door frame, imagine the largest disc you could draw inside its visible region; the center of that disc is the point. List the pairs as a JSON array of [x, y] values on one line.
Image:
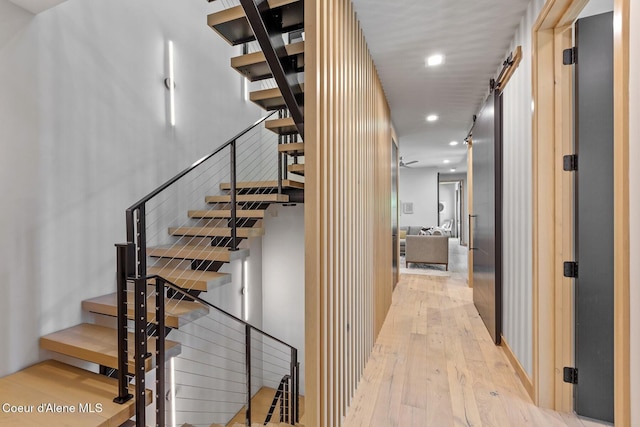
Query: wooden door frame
[[553, 214]]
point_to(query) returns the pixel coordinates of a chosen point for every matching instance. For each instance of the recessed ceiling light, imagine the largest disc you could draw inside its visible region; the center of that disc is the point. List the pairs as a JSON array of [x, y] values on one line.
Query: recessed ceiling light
[[446, 161], [432, 118], [434, 60], [452, 143], [452, 169]]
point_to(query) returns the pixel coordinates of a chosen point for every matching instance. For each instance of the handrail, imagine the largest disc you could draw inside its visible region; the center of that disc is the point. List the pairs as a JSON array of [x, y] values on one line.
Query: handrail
[[178, 289], [167, 184]]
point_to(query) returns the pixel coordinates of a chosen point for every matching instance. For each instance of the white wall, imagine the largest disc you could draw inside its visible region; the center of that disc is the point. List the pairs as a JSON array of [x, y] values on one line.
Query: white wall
[[517, 201], [420, 187], [283, 277], [634, 208], [84, 134]]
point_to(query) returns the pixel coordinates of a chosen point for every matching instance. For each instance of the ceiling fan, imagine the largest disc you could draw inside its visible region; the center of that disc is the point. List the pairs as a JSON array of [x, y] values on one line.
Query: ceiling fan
[[406, 165]]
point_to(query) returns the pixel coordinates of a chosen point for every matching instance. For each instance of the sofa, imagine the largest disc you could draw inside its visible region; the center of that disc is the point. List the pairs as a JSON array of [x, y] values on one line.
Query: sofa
[[427, 249], [416, 230]]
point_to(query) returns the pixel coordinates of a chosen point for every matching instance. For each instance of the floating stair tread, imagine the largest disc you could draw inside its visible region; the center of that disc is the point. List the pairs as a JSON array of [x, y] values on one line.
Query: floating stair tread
[[232, 25], [284, 126], [263, 198], [244, 232], [177, 313], [98, 344], [269, 99], [254, 65], [296, 168], [294, 148], [200, 253], [192, 279], [65, 385], [287, 183], [226, 213]]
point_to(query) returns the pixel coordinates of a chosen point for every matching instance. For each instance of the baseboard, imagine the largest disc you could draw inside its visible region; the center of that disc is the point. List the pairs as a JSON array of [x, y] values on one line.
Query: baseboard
[[522, 374]]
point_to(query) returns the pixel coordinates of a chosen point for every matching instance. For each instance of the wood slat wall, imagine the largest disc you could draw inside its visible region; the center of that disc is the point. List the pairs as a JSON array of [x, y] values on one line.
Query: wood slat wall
[[347, 208]]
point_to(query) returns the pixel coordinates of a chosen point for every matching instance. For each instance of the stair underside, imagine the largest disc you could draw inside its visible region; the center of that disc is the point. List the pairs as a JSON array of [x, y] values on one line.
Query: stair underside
[[254, 65], [261, 198], [294, 148], [269, 99], [61, 384], [285, 126], [244, 232], [226, 213], [249, 185], [99, 344], [296, 168], [177, 313], [200, 253], [232, 25], [191, 279]]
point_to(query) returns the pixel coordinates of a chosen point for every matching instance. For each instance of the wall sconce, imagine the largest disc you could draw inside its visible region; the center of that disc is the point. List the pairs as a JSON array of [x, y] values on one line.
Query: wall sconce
[[170, 84]]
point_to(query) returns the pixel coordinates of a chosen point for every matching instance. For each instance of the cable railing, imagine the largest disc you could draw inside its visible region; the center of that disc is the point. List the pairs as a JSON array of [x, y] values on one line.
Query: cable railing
[[178, 220], [223, 363]]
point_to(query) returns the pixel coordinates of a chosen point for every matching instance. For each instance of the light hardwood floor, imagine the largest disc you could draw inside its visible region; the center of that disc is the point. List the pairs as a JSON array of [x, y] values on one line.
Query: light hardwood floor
[[434, 364]]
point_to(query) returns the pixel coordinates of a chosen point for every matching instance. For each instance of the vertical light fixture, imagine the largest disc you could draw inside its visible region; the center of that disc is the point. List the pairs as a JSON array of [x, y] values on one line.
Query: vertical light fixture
[[172, 87], [172, 391], [245, 280]]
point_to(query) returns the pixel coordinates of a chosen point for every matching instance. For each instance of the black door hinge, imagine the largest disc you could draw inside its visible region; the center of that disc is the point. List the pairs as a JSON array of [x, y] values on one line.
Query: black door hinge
[[570, 375], [570, 162], [571, 269], [569, 56]]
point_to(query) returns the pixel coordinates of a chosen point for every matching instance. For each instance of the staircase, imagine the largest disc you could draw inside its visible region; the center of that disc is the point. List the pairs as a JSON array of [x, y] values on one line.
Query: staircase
[[178, 248]]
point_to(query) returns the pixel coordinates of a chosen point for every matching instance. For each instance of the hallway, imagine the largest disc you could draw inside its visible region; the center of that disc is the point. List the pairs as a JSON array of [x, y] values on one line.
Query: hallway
[[434, 365]]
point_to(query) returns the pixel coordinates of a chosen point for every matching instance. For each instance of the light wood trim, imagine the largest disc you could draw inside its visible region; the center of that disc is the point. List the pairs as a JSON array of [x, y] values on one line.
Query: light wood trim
[[517, 58], [470, 208], [348, 217], [622, 337], [552, 303], [515, 363]]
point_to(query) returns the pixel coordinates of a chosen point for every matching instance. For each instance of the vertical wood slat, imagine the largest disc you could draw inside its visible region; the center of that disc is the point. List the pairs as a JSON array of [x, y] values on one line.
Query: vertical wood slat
[[347, 208]]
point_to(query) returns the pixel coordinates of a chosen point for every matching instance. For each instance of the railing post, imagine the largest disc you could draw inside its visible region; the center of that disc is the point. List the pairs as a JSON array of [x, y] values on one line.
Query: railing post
[[142, 241], [247, 352], [121, 296], [140, 335], [232, 171], [294, 385], [160, 353], [280, 155]]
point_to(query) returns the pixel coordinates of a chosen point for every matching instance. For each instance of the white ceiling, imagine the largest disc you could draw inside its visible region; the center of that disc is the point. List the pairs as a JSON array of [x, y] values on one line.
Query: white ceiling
[[474, 36]]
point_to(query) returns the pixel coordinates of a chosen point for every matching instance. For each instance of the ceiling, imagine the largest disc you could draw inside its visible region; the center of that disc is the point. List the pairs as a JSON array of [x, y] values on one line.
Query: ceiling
[[473, 35]]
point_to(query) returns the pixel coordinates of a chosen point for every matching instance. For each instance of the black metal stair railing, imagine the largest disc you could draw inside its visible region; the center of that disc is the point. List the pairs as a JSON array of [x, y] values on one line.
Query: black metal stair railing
[[222, 356]]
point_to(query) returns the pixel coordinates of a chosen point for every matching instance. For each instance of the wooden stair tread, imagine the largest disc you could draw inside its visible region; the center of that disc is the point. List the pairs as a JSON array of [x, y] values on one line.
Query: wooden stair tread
[[232, 25], [294, 148], [99, 344], [200, 253], [296, 168], [254, 65], [177, 313], [269, 99], [65, 385], [226, 213], [284, 126], [244, 232], [191, 279], [286, 183], [264, 198]]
